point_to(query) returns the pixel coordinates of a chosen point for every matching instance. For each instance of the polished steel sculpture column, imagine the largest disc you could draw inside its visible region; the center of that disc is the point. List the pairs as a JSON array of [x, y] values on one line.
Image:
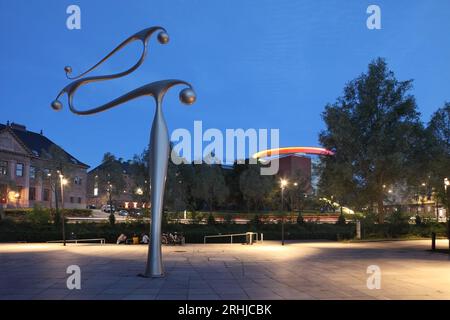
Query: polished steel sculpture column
[[159, 136]]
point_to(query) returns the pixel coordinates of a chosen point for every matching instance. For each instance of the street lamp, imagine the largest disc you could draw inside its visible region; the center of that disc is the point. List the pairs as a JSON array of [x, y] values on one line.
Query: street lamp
[[446, 188], [283, 184], [159, 135], [63, 182]]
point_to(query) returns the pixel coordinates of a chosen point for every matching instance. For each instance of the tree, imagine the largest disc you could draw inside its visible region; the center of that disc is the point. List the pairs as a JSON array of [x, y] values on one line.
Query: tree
[[209, 184], [110, 176], [57, 166], [112, 219], [374, 129], [178, 186], [297, 190], [254, 186], [139, 173], [439, 151]]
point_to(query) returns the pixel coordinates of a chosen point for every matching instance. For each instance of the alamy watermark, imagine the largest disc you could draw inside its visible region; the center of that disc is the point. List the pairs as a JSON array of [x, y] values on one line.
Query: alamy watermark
[[374, 280], [236, 144], [373, 22], [73, 21], [74, 280]]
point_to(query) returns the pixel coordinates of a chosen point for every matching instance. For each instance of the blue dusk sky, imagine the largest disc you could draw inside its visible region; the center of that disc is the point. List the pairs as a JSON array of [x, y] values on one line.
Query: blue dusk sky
[[253, 63]]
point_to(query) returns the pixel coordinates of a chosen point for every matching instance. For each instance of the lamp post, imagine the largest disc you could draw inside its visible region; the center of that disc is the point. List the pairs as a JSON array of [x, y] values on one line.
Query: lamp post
[[159, 135], [63, 182], [283, 184], [447, 209]]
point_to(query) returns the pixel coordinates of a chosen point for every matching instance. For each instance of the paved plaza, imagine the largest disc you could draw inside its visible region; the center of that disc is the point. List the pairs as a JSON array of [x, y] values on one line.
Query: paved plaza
[[301, 270]]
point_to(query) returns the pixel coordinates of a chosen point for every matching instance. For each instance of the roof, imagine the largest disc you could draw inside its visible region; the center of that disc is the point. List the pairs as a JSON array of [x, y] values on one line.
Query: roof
[[37, 143], [124, 164]]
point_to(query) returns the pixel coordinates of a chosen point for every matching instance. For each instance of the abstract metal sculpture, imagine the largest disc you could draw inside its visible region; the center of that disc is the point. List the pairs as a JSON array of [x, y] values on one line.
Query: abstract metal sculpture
[[159, 136]]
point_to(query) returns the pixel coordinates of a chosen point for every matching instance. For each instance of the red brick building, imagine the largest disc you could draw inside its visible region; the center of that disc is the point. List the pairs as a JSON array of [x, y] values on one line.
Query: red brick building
[[291, 166]]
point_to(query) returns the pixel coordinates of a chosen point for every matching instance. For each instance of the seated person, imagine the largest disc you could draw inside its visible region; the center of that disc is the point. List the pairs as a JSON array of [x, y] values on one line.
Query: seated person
[[145, 239], [135, 239], [121, 239]]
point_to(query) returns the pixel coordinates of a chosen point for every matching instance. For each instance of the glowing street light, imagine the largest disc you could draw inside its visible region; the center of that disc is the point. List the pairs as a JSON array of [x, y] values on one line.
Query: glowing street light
[[446, 187], [283, 184], [63, 182]]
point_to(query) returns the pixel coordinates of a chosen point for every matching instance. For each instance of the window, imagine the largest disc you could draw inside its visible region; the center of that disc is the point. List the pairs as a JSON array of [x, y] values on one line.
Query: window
[[79, 199], [71, 200], [47, 172], [3, 168], [32, 193], [46, 195], [19, 170], [32, 172], [77, 180]]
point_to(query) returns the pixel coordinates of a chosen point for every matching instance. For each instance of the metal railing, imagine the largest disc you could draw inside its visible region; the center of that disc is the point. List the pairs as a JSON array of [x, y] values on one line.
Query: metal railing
[[102, 240], [251, 234]]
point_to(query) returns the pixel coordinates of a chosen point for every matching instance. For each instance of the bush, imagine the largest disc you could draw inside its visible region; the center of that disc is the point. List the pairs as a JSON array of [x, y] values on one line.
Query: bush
[[418, 220], [256, 220], [39, 215], [228, 219], [25, 231], [341, 220], [112, 219], [23, 213], [300, 219], [211, 220]]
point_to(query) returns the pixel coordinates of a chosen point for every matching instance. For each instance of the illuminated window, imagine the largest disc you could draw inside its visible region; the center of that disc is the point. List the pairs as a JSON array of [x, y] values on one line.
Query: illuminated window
[[95, 191]]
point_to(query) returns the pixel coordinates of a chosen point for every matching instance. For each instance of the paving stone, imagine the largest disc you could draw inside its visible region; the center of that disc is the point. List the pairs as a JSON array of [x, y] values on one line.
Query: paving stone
[[303, 270]]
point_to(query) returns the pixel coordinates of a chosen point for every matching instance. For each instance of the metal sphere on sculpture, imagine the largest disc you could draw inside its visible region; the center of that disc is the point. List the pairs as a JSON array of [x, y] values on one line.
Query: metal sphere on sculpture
[[56, 105], [188, 96], [163, 37]]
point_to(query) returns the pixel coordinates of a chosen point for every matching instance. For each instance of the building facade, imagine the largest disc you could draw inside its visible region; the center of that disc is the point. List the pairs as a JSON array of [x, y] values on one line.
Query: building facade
[[130, 195], [296, 167], [28, 174]]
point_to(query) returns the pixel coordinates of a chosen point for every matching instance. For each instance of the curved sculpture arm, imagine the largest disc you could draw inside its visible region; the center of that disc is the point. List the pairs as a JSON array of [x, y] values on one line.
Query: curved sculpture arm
[[155, 89], [143, 36]]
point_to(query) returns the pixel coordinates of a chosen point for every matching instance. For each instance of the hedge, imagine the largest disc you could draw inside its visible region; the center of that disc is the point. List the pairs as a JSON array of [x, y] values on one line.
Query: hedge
[[22, 213], [12, 231]]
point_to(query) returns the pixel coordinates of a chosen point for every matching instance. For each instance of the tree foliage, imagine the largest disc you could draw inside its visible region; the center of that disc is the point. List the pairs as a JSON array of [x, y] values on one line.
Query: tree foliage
[[375, 131]]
